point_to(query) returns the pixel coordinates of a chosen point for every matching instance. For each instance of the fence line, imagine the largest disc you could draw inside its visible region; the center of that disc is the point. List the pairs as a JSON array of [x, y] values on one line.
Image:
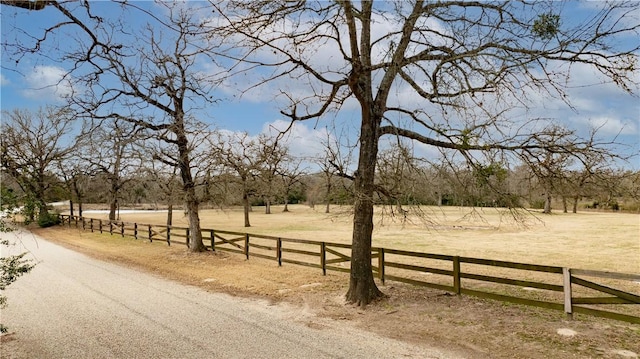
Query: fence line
[[551, 287]]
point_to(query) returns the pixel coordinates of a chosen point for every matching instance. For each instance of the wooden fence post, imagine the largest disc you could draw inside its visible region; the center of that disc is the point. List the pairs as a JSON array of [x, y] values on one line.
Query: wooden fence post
[[381, 264], [279, 251], [246, 245], [566, 281], [100, 224], [84, 224], [187, 239], [111, 228], [122, 229], [150, 235], [135, 230], [213, 237], [323, 258], [169, 234], [91, 224], [76, 219], [456, 275]]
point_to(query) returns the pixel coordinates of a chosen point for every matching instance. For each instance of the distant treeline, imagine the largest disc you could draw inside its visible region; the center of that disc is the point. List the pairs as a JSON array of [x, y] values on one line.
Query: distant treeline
[[490, 186]]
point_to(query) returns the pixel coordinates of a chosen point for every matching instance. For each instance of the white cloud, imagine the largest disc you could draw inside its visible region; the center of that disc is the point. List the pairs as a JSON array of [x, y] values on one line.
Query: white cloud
[[303, 141], [3, 80], [614, 126], [47, 83]]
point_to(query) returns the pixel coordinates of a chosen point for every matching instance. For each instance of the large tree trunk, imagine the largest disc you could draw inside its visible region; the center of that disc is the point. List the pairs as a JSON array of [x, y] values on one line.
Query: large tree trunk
[[362, 288], [247, 209], [575, 204], [113, 199], [328, 197], [113, 205], [78, 197], [267, 206], [547, 203], [191, 200], [195, 235]]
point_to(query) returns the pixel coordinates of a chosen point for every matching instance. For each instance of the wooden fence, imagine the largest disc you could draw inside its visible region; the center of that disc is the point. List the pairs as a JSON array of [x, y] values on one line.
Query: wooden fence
[[543, 286]]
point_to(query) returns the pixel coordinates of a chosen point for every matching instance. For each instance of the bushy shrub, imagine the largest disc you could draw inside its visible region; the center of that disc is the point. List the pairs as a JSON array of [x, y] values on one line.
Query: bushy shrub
[[615, 206], [29, 210], [48, 219]]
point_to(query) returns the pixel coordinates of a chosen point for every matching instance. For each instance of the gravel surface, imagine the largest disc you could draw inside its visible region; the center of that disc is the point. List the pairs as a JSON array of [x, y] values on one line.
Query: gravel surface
[[73, 306]]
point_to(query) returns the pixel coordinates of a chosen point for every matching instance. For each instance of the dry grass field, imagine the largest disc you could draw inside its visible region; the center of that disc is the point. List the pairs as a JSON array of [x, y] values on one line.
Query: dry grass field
[[586, 240], [472, 327]]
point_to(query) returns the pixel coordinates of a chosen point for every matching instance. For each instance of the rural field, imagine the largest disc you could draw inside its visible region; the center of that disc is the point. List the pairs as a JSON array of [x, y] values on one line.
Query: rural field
[[587, 240], [470, 326]]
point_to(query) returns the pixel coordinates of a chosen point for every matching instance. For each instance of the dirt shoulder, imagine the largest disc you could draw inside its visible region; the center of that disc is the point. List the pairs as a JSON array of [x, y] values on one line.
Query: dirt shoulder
[[472, 327]]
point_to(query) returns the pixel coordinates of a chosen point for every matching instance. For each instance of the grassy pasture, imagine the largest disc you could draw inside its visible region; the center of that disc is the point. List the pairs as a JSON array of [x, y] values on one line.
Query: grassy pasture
[[586, 240]]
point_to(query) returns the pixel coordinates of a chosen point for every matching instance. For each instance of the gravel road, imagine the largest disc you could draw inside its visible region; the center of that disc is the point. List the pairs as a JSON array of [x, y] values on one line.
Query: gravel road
[[73, 306]]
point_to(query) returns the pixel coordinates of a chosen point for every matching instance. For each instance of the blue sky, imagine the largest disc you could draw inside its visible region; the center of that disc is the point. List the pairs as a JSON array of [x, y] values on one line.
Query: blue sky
[[35, 81]]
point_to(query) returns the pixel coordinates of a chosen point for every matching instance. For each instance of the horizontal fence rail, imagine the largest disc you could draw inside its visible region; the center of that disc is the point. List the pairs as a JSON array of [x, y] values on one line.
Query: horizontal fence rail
[[551, 287]]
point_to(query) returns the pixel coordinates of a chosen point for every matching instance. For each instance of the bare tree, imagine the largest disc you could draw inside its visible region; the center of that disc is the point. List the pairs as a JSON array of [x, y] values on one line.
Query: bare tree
[[398, 174], [31, 144], [591, 170], [291, 176], [462, 65], [111, 150], [165, 183], [613, 185], [75, 172], [566, 150], [328, 171], [271, 159], [333, 164], [631, 185], [240, 155], [156, 72]]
